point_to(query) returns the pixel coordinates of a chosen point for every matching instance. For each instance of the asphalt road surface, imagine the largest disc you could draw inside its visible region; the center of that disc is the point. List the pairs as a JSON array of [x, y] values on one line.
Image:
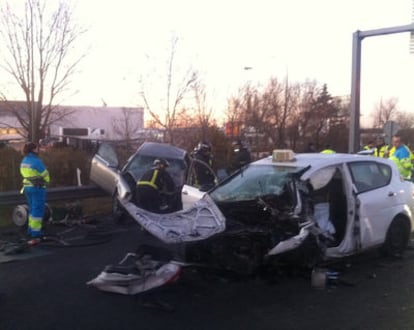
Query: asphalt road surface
[[47, 290]]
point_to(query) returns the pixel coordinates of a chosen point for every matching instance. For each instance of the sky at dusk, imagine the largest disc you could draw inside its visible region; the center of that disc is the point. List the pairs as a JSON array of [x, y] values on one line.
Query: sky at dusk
[[304, 39]]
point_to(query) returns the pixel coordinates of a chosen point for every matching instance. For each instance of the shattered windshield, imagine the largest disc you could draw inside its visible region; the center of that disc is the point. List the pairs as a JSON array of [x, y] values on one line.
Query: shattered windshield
[[254, 181]]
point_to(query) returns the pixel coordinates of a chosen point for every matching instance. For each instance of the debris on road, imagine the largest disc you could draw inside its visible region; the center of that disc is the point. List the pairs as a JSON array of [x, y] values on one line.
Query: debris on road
[[135, 274]]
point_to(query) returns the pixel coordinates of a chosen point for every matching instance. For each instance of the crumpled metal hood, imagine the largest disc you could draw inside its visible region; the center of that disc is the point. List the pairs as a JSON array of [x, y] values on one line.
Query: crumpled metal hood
[[199, 222]]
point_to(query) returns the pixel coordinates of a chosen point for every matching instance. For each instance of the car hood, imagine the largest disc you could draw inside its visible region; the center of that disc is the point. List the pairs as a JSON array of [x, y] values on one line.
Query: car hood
[[199, 222]]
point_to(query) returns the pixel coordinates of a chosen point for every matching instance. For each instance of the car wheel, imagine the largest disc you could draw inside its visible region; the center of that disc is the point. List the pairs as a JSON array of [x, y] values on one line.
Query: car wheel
[[397, 238]]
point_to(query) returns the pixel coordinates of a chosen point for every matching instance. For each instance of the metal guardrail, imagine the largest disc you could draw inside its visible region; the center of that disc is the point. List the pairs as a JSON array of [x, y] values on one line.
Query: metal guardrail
[[14, 197]]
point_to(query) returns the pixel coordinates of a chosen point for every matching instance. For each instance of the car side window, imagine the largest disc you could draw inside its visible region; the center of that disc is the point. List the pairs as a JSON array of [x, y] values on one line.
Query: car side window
[[140, 163], [369, 175], [108, 154]]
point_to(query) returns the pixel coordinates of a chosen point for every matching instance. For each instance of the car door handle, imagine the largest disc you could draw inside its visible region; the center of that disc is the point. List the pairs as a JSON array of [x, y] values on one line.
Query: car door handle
[[185, 192], [391, 194]]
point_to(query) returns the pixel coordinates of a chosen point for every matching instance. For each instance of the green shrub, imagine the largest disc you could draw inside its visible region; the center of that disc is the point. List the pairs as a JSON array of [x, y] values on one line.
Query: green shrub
[[62, 164], [10, 178]]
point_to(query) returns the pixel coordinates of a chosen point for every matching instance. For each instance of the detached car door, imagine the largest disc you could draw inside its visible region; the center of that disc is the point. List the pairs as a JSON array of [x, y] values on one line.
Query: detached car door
[[104, 168]]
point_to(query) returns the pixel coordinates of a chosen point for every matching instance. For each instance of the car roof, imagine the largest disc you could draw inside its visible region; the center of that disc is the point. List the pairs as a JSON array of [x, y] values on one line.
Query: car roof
[[161, 150], [318, 160]]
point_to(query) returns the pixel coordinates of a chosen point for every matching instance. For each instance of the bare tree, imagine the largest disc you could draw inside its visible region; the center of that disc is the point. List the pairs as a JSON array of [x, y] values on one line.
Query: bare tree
[[270, 110], [36, 51], [384, 111], [405, 119], [165, 116], [203, 112], [127, 125], [235, 114], [284, 114], [262, 113], [323, 110]]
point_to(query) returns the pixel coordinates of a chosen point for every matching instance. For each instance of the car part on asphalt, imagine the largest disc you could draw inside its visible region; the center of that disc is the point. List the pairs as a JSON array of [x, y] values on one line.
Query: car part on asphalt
[[21, 215], [135, 274]]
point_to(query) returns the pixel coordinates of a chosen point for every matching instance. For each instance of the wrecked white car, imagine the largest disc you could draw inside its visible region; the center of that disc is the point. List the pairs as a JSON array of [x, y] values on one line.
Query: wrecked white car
[[309, 207]]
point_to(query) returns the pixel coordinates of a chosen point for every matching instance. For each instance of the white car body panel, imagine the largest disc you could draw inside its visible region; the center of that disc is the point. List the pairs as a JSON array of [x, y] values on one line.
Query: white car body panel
[[376, 213]]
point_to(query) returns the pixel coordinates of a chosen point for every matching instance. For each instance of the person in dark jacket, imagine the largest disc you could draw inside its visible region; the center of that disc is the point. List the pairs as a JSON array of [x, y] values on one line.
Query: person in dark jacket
[[152, 185], [311, 148], [204, 176], [241, 155]]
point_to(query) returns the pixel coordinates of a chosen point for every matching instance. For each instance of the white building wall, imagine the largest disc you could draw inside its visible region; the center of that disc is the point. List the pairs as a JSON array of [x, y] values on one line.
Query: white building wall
[[115, 121]]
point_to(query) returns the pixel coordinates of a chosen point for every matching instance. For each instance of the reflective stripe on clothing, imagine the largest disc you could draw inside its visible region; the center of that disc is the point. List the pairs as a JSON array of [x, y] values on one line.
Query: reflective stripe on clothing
[[35, 223], [36, 198], [33, 171], [150, 183]]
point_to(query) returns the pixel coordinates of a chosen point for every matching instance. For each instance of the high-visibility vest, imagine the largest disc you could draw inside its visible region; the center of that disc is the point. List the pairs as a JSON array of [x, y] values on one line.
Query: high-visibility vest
[[328, 151], [33, 171], [381, 151], [404, 164]]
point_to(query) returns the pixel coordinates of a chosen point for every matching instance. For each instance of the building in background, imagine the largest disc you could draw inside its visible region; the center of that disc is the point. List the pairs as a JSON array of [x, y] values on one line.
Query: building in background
[[99, 123]]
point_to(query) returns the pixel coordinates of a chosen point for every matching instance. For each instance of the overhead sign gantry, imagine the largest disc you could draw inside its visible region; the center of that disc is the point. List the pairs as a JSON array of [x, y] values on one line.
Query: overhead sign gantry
[[358, 36]]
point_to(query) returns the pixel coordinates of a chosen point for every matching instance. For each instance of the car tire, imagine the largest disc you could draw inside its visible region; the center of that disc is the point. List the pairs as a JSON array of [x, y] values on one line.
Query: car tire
[[398, 236]]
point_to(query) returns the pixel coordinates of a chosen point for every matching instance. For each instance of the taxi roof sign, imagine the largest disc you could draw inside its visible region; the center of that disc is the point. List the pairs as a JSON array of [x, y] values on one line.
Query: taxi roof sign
[[283, 155]]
